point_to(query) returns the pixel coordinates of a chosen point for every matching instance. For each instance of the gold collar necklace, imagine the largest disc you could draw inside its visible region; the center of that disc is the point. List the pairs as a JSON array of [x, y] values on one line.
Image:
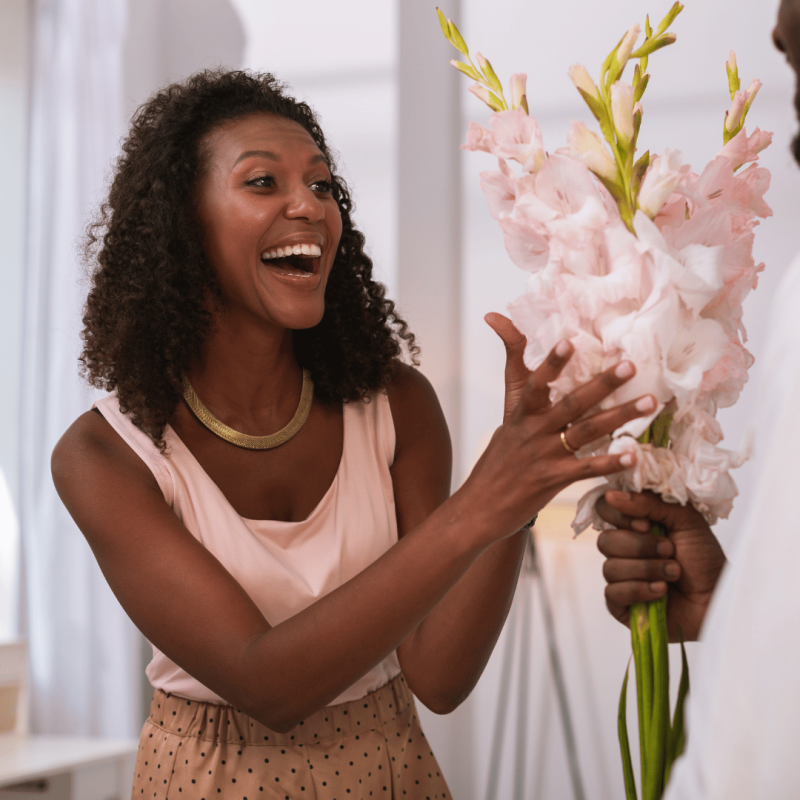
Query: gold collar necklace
[[242, 439]]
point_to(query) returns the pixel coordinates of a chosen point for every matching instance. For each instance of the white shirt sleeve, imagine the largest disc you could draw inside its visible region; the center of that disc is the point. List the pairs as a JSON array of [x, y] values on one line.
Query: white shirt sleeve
[[744, 709]]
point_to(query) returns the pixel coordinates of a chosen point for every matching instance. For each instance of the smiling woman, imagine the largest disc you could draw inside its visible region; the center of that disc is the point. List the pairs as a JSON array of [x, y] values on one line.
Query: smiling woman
[[266, 488]]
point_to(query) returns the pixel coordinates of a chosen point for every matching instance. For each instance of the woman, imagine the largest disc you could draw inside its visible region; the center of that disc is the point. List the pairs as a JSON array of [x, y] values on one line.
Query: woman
[[294, 585]]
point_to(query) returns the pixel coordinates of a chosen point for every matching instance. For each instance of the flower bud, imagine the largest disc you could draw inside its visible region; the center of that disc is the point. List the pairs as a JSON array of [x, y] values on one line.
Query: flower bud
[[622, 111], [482, 93], [589, 148], [734, 116], [626, 46], [516, 89], [579, 75]]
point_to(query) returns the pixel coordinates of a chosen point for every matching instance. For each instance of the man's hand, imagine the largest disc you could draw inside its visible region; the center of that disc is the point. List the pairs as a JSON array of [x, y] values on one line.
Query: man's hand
[[686, 563]]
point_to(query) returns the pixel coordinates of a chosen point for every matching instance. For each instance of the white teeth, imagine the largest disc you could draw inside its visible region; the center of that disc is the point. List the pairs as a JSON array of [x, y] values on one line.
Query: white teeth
[[308, 250]]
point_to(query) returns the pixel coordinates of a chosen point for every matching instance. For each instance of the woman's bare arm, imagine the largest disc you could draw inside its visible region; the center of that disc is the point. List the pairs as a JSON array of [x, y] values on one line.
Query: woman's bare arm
[[191, 608]]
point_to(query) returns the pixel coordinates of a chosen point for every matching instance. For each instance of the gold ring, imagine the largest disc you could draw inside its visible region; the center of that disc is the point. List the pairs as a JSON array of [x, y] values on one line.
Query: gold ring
[[570, 450]]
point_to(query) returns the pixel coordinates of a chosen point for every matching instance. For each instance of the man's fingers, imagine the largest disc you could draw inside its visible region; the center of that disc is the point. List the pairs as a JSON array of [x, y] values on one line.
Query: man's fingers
[[647, 505], [624, 570], [621, 596], [629, 544]]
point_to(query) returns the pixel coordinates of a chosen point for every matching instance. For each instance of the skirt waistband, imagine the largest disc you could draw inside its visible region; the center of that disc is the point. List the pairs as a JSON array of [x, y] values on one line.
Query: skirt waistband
[[218, 723]]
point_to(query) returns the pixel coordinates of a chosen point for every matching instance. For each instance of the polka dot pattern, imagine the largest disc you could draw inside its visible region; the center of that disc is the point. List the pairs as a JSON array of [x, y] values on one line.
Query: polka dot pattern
[[368, 748]]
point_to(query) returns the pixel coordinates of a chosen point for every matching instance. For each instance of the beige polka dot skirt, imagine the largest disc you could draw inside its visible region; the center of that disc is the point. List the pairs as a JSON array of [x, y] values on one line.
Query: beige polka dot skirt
[[368, 748]]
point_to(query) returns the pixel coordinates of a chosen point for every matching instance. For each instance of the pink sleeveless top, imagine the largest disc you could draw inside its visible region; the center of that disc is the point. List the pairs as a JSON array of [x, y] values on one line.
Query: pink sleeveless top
[[283, 566]]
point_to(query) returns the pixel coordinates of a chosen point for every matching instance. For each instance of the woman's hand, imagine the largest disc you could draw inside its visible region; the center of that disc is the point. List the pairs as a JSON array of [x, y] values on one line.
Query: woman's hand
[[685, 564], [531, 456]]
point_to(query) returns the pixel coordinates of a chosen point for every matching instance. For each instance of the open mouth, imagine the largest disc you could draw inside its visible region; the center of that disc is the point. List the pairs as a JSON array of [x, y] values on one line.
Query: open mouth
[[300, 260]]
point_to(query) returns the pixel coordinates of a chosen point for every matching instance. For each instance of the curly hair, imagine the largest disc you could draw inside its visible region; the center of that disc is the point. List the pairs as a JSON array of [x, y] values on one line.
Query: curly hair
[[146, 315]]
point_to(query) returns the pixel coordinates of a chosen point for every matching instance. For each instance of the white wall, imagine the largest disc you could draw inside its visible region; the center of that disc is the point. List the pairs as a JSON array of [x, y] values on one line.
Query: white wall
[[13, 126], [341, 59]]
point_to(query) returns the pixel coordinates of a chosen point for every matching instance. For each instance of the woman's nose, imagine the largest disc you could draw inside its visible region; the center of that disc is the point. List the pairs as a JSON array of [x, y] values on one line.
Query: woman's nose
[[303, 203]]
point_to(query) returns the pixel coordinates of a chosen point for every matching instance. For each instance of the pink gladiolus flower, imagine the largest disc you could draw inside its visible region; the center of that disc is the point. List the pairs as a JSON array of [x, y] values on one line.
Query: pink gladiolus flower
[[514, 135], [662, 178], [743, 149], [667, 295], [741, 100]]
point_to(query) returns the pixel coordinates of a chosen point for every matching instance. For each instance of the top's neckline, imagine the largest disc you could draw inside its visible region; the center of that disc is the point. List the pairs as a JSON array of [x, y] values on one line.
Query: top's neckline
[[169, 431]]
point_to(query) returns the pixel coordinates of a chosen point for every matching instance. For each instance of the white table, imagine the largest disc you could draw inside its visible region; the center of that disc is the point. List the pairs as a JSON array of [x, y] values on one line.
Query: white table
[[67, 768]]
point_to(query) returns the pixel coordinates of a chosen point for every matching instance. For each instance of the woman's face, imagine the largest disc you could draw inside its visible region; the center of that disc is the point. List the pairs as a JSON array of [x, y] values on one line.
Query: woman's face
[[272, 226]]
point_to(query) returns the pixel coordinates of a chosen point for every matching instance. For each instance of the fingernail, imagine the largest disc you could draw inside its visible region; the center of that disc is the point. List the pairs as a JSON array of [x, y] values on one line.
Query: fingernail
[[627, 460], [645, 404], [658, 587], [624, 370], [563, 348], [664, 549], [641, 525], [616, 494], [672, 570]]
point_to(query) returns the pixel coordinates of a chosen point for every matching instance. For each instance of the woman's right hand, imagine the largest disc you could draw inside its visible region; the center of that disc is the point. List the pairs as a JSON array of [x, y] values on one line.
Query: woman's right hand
[[531, 455]]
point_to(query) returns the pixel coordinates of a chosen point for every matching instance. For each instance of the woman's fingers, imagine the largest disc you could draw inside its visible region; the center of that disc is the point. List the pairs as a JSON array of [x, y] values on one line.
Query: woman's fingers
[[514, 343], [536, 394], [605, 422], [519, 380], [578, 402]]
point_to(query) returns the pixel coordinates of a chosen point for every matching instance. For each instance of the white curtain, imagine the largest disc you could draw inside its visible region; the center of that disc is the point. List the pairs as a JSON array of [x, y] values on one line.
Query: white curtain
[[84, 651]]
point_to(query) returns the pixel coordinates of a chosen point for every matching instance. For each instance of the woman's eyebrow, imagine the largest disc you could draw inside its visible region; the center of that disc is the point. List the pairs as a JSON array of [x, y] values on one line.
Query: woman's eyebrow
[[275, 157]]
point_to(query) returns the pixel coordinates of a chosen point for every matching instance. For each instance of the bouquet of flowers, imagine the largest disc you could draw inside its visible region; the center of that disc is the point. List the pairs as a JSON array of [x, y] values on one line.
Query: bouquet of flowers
[[636, 258]]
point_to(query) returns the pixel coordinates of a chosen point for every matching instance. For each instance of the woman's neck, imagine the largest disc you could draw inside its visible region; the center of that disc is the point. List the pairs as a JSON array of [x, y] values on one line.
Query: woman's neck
[[247, 372]]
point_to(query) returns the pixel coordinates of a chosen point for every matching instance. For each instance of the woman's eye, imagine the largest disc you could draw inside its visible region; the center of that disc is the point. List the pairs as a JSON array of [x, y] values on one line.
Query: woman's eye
[[322, 187], [263, 181]]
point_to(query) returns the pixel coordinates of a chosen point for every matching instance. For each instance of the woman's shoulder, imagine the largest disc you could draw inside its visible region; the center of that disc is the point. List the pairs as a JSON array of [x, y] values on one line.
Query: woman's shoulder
[[91, 463]]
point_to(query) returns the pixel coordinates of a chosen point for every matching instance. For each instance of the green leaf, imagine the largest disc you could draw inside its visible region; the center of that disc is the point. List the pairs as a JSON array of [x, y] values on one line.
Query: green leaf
[[651, 45], [677, 737], [639, 169], [444, 25], [669, 18], [458, 39], [495, 103], [596, 107], [660, 427], [467, 70], [648, 31], [491, 77], [617, 192], [625, 750], [640, 87]]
